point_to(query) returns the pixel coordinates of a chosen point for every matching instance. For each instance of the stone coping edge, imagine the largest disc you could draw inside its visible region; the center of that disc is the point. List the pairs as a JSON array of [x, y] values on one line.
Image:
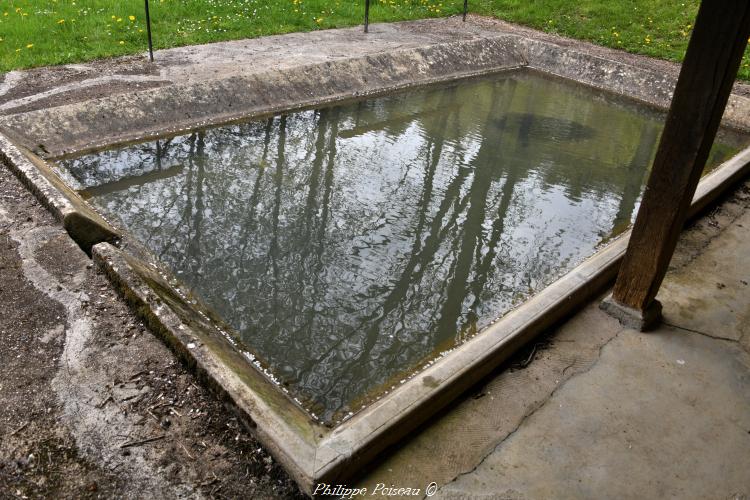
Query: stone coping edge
[[75, 129], [84, 225], [79, 128], [283, 428]]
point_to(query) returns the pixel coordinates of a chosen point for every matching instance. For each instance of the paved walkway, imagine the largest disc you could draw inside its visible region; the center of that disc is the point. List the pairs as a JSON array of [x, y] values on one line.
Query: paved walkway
[[608, 412]]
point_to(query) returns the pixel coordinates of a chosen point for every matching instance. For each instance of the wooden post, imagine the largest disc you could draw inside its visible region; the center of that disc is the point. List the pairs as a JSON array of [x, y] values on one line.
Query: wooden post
[[713, 57]]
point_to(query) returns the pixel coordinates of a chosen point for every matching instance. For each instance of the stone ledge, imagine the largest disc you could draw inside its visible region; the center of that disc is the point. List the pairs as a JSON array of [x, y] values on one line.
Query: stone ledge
[[83, 224], [628, 317]]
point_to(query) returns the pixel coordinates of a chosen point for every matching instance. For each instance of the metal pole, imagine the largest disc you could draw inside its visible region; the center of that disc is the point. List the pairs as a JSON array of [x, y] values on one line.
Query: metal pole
[[466, 8], [367, 15], [148, 29]]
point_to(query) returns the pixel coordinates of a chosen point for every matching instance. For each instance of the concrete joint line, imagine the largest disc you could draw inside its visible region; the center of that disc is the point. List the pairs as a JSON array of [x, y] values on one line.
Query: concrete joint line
[[698, 332]]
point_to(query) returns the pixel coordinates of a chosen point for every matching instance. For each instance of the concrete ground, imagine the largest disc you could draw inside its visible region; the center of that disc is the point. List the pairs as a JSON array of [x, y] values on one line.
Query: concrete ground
[[607, 412], [94, 406]]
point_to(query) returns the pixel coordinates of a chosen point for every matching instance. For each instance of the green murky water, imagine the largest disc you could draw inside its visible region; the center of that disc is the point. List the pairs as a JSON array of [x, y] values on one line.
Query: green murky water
[[349, 245]]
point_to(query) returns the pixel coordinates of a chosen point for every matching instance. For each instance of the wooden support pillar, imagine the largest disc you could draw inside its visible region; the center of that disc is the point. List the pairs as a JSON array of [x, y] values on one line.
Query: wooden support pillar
[[713, 57]]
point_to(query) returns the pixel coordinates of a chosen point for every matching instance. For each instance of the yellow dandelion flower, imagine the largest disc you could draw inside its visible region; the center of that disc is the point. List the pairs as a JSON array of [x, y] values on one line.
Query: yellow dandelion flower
[[29, 45], [122, 42], [132, 18], [119, 19], [61, 21]]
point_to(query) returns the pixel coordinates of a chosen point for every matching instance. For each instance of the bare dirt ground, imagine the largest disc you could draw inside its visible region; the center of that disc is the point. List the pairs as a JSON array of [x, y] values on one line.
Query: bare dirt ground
[[93, 405]]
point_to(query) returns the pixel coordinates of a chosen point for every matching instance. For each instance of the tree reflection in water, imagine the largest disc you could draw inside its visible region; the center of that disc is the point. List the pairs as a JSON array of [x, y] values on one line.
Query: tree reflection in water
[[349, 244]]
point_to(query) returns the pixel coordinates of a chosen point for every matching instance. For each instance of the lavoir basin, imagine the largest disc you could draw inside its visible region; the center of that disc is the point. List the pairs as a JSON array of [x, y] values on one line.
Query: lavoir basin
[[350, 246]]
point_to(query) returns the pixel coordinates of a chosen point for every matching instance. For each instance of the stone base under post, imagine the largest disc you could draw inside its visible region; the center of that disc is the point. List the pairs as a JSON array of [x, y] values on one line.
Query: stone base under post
[[633, 318]]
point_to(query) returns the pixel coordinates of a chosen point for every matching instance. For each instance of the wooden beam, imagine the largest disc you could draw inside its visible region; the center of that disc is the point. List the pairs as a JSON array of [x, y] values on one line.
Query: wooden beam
[[713, 57]]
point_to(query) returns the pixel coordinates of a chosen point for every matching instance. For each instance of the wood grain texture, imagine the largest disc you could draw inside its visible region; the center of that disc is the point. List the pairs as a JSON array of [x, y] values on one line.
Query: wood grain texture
[[708, 72]]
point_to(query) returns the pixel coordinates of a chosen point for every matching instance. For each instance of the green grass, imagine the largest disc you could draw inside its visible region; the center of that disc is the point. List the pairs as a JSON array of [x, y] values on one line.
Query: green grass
[[45, 32]]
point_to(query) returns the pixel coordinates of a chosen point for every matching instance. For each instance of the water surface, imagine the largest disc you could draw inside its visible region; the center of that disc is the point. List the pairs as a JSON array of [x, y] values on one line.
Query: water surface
[[350, 244]]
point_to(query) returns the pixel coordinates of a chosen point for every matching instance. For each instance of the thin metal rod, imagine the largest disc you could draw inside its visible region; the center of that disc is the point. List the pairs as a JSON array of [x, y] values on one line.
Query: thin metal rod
[[466, 8], [148, 29], [367, 15]]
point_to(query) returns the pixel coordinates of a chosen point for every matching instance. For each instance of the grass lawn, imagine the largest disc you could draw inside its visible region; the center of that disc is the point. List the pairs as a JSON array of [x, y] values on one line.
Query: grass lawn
[[44, 32]]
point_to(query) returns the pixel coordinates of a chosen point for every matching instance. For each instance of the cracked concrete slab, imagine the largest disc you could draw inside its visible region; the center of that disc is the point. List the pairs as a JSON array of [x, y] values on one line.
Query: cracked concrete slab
[[467, 433], [710, 295], [660, 415]]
